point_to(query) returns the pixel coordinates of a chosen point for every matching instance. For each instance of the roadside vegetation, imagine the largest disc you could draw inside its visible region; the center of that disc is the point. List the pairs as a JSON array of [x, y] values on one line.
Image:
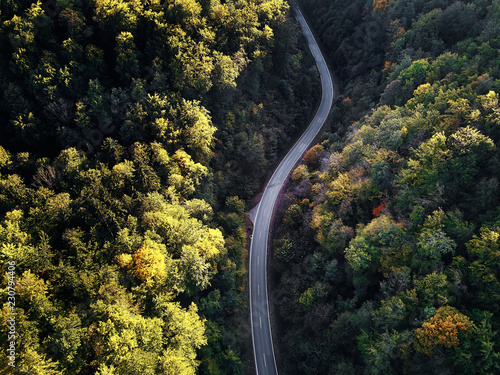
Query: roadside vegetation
[[132, 134], [388, 252]]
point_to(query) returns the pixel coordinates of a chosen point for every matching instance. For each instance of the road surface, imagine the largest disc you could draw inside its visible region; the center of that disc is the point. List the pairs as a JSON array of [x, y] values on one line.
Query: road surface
[[265, 362]]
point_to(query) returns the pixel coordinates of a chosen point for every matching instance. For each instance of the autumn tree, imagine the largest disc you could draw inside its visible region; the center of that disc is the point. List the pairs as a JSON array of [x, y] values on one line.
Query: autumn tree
[[312, 155], [442, 330], [150, 263]]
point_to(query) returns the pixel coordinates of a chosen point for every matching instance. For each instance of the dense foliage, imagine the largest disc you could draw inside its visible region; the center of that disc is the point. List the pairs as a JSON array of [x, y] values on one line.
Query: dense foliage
[[131, 131], [388, 251]]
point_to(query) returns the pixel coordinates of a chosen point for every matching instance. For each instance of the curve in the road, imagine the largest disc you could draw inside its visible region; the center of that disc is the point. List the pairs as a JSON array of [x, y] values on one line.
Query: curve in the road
[[265, 362]]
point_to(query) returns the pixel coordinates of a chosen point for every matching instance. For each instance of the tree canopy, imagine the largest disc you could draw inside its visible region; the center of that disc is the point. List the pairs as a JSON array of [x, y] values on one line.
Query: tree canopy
[[387, 249]]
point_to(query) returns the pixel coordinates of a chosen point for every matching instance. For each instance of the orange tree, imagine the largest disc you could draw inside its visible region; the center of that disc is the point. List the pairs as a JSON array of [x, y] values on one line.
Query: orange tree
[[441, 330]]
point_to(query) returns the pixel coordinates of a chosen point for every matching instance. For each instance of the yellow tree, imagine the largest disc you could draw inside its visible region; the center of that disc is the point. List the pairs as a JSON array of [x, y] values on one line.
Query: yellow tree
[[184, 333], [199, 128], [125, 341], [211, 243], [194, 246], [4, 157], [150, 263], [119, 13]]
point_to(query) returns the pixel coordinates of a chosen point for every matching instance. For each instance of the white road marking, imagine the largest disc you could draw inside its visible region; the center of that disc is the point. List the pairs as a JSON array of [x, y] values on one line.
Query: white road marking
[[265, 364], [260, 318], [258, 289], [258, 259]]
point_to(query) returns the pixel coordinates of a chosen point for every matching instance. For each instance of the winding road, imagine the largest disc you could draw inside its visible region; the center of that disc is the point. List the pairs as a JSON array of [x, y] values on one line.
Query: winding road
[[265, 362]]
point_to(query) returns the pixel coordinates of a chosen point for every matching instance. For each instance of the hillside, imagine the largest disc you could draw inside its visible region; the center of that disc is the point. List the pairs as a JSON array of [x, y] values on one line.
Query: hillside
[[132, 134], [387, 255]]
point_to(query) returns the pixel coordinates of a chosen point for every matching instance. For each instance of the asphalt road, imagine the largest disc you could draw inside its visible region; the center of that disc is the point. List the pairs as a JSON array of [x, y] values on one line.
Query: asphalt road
[[265, 362]]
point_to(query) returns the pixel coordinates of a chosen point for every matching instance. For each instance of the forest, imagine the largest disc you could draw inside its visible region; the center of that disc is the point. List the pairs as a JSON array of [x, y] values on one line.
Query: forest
[[134, 136], [387, 255]]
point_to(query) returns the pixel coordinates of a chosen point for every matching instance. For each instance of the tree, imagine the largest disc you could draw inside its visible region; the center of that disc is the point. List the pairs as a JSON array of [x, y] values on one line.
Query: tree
[[381, 5], [95, 60], [187, 175], [38, 364], [117, 15], [433, 289], [199, 130], [73, 23], [300, 173], [312, 155], [66, 343], [184, 333], [185, 12], [146, 176], [484, 250], [415, 73], [125, 340], [422, 170], [380, 174], [478, 352], [431, 246], [471, 150], [127, 64], [71, 161], [150, 263], [366, 248], [458, 17], [339, 189], [20, 29], [98, 101], [18, 245], [5, 158], [380, 351], [225, 72], [390, 314], [442, 330], [26, 128], [192, 69]]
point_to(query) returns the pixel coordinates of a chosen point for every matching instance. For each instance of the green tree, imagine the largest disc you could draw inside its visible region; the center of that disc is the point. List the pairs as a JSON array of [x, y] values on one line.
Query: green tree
[[380, 351], [484, 252], [422, 170], [119, 15], [477, 352], [431, 246], [127, 63]]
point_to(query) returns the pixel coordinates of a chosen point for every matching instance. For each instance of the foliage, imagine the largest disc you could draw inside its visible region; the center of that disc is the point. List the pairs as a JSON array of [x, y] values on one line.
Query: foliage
[[132, 134], [392, 265], [441, 330]]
